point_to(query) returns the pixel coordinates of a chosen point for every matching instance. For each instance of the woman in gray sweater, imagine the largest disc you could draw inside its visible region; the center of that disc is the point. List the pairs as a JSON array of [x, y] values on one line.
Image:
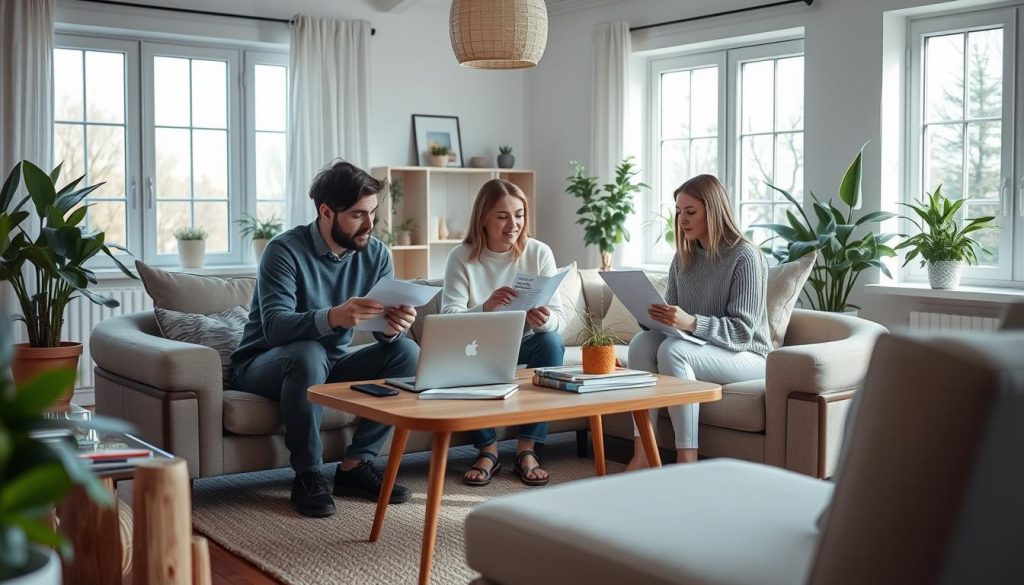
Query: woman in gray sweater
[[716, 292]]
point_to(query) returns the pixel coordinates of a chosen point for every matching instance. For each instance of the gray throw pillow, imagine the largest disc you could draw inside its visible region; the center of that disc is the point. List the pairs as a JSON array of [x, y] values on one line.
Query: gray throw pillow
[[219, 331], [191, 293], [785, 282]]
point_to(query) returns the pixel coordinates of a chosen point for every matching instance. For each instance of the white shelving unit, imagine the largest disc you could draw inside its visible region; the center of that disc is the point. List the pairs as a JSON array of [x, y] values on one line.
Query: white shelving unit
[[430, 193]]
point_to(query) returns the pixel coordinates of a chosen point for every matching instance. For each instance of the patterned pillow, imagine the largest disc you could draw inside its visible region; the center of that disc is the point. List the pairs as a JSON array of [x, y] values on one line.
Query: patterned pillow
[[219, 331]]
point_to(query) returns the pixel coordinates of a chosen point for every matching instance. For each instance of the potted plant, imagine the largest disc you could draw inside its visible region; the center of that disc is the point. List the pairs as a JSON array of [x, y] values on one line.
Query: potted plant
[[603, 217], [35, 474], [47, 272], [665, 222], [403, 232], [191, 246], [439, 155], [842, 256], [261, 231], [943, 246], [598, 346], [505, 158]]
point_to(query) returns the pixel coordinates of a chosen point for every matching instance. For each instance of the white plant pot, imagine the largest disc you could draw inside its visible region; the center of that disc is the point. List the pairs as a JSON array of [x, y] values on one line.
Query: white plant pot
[[191, 253], [944, 274], [257, 248], [44, 569], [404, 239], [438, 160]]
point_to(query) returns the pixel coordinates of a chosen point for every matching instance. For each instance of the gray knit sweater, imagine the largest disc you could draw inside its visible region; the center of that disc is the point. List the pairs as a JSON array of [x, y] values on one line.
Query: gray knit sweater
[[727, 295]]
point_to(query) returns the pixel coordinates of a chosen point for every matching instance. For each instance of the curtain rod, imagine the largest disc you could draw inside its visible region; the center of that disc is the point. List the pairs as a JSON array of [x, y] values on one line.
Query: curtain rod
[[373, 31], [723, 13]]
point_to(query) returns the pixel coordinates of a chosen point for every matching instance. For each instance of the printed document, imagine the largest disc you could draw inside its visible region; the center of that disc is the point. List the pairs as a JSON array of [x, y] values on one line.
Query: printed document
[[535, 291], [393, 293], [637, 293]]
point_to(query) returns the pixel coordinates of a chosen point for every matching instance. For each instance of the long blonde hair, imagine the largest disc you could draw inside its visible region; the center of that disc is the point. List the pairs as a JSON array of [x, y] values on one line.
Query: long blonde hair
[[486, 199], [722, 226]]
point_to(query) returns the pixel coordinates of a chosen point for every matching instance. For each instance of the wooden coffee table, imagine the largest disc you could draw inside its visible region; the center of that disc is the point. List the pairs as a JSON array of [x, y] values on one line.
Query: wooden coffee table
[[406, 412]]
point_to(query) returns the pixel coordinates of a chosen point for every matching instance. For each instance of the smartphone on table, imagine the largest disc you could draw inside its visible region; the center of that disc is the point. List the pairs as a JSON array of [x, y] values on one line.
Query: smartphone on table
[[375, 390]]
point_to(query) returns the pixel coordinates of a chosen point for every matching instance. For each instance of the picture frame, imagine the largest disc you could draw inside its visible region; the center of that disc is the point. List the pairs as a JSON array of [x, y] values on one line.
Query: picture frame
[[428, 129]]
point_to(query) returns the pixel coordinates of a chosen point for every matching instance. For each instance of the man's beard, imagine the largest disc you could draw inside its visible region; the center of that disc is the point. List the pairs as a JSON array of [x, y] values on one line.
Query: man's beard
[[348, 241]]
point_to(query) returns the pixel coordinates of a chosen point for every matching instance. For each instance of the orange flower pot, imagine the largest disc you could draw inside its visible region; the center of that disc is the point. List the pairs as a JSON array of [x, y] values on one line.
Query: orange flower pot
[[29, 361], [598, 359]]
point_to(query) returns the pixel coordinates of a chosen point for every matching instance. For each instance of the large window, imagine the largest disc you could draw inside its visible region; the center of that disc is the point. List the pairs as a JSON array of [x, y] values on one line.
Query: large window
[[736, 114], [961, 129], [182, 136]]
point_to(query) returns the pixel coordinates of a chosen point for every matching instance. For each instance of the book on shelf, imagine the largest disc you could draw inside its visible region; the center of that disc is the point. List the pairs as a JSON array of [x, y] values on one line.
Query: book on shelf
[[617, 384], [575, 373]]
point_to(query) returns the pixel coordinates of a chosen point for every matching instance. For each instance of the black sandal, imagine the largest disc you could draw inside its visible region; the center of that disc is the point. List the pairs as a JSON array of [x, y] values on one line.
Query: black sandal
[[488, 473], [524, 473]]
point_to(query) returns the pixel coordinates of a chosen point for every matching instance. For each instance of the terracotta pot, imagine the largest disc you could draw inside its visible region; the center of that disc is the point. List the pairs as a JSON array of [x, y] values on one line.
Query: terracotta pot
[[29, 361], [598, 359]]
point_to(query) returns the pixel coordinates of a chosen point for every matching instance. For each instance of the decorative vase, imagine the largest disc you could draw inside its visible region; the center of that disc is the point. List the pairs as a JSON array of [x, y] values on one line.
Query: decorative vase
[[606, 261], [404, 239], [598, 359], [506, 161], [478, 162], [43, 568], [257, 248], [944, 274], [438, 160], [29, 361], [191, 253], [442, 229]]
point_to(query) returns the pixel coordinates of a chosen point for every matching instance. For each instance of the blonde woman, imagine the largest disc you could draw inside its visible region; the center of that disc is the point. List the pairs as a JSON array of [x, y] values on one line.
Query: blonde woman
[[479, 277], [716, 291]]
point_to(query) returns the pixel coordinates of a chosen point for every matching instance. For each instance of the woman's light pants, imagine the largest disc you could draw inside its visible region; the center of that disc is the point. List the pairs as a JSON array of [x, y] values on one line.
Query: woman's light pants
[[651, 351]]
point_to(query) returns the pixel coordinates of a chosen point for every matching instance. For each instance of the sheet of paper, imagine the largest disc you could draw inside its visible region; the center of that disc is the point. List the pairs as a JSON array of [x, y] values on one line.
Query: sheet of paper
[[637, 293], [535, 291], [393, 293]]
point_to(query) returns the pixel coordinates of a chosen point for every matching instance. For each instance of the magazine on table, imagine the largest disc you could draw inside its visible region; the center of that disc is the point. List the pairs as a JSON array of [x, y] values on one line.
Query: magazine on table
[[612, 384], [576, 374]]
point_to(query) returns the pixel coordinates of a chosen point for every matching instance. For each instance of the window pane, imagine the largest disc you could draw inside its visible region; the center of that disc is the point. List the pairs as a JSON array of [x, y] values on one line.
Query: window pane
[[106, 160], [271, 97], [751, 214], [173, 164], [984, 159], [789, 165], [944, 78], [170, 216], [171, 91], [268, 210], [209, 95], [104, 87], [674, 164], [67, 85], [757, 84], [109, 217], [270, 165], [210, 161], [943, 156], [705, 102], [789, 99], [756, 168], [69, 148], [985, 73], [704, 156], [214, 217], [988, 238], [675, 104]]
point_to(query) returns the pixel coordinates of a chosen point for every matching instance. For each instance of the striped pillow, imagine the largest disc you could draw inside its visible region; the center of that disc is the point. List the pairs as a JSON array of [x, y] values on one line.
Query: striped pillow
[[219, 331]]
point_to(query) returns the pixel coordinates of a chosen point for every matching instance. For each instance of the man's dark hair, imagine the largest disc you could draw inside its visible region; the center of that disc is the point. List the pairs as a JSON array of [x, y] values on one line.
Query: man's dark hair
[[341, 185]]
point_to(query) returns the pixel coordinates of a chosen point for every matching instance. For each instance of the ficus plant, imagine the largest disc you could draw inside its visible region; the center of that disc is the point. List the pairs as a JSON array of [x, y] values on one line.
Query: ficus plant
[[603, 215]]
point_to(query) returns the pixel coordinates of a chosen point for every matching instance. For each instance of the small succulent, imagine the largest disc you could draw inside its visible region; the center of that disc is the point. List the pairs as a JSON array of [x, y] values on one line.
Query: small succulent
[[259, 229], [440, 150], [505, 149], [190, 233]]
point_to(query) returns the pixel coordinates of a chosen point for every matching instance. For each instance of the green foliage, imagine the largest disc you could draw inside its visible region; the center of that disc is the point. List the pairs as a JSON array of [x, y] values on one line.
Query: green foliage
[[943, 240], [36, 474], [190, 233], [595, 333], [57, 256], [665, 222], [505, 149], [841, 256], [258, 229], [603, 216], [440, 150], [406, 226]]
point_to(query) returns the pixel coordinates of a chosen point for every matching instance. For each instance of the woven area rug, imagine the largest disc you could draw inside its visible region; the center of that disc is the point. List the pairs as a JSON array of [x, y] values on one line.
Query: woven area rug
[[250, 515]]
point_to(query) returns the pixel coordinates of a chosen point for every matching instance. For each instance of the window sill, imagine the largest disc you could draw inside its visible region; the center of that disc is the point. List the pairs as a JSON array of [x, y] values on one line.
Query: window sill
[[112, 274], [989, 294]]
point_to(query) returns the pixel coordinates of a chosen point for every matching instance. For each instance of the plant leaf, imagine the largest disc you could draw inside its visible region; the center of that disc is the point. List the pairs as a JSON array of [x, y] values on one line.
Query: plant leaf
[[37, 487], [849, 189]]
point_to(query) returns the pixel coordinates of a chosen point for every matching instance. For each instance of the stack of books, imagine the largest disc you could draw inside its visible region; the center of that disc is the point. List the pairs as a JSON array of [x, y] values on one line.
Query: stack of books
[[113, 455], [572, 379]]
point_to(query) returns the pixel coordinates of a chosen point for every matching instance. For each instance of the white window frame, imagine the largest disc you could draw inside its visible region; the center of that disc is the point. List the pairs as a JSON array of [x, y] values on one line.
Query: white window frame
[[1011, 267]]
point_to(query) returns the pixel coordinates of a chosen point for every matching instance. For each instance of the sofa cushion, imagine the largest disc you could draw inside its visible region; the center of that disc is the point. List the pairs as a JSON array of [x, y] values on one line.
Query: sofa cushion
[[221, 331], [246, 413], [190, 293], [574, 305], [785, 282], [741, 407]]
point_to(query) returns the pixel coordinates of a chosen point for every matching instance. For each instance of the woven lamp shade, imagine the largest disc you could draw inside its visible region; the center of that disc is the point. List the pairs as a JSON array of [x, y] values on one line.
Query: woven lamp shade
[[499, 34]]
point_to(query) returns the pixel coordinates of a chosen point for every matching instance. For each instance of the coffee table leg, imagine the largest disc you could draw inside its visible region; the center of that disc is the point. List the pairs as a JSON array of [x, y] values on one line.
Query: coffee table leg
[[394, 460], [597, 432], [643, 424], [435, 487]]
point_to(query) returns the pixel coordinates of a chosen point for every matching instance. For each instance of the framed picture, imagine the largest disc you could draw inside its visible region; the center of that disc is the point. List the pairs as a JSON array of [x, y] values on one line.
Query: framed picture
[[437, 130]]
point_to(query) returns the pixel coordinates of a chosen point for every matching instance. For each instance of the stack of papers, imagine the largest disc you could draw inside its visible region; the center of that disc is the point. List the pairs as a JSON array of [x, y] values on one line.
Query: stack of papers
[[485, 392]]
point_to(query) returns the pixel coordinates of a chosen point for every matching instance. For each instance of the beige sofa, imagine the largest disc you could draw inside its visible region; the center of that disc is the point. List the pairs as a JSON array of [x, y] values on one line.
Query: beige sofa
[[172, 391]]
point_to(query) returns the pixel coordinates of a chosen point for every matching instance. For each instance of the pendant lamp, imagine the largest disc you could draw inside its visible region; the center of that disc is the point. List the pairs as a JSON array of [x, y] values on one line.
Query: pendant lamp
[[498, 34]]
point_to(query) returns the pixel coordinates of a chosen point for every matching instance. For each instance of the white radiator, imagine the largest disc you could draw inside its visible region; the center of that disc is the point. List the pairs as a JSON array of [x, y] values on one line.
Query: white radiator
[[82, 315], [943, 322]]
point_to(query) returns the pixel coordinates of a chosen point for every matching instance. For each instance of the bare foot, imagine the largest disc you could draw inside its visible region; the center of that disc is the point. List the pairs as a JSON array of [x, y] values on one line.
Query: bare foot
[[637, 463]]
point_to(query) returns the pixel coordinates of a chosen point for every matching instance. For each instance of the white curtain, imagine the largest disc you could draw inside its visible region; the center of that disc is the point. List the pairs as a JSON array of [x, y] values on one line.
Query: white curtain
[[329, 117], [612, 49], [26, 97]]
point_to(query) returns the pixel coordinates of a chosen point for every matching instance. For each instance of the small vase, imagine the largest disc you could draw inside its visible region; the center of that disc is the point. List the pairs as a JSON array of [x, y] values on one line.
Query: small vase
[[191, 253], [598, 359], [438, 160], [944, 274], [442, 229], [506, 161], [404, 239], [606, 261], [257, 248]]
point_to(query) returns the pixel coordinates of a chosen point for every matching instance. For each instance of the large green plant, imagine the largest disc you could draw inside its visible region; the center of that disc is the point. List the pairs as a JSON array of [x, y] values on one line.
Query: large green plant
[[943, 240], [846, 245], [603, 215], [57, 256], [35, 474]]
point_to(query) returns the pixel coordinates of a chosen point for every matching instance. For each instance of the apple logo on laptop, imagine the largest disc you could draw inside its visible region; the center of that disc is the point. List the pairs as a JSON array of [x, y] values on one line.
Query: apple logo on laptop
[[471, 349]]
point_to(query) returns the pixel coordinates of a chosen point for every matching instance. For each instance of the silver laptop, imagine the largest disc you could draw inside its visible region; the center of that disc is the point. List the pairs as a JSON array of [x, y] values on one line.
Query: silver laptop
[[466, 349]]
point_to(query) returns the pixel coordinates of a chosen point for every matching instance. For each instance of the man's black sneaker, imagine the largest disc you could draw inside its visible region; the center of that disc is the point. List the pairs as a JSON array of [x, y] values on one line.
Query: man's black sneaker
[[310, 496], [365, 481]]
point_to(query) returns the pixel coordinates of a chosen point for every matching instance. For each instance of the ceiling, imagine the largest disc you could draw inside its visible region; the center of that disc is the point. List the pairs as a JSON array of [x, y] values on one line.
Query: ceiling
[[555, 7]]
